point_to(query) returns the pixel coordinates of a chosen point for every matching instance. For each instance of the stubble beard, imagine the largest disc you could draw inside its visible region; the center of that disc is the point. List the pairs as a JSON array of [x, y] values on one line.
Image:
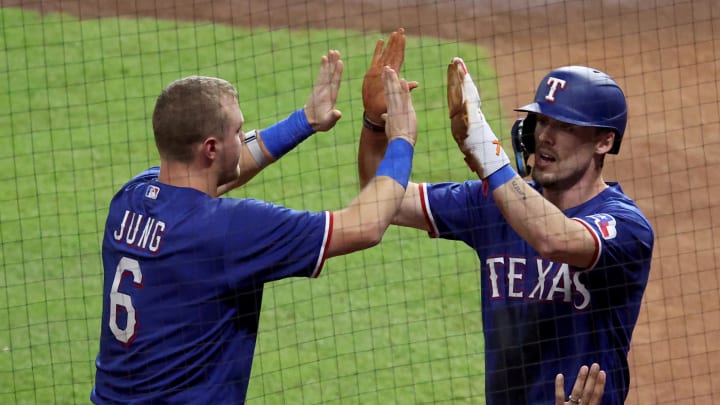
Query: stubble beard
[[544, 181], [555, 181]]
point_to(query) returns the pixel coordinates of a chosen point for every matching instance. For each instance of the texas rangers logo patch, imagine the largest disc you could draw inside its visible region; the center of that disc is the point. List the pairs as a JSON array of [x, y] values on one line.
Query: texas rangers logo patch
[[606, 224], [152, 192]]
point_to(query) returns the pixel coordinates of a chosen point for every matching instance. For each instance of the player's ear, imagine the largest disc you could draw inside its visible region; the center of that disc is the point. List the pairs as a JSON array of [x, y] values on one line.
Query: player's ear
[[605, 140], [210, 147]]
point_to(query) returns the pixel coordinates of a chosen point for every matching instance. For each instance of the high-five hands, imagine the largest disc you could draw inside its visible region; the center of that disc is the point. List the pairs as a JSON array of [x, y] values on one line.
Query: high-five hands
[[320, 108], [588, 389], [483, 151], [373, 92], [400, 119]]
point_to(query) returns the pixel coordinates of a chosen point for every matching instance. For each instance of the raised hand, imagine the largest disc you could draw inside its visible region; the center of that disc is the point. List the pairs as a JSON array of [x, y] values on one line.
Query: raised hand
[[457, 102], [482, 149], [588, 389], [400, 119], [373, 91], [320, 108]]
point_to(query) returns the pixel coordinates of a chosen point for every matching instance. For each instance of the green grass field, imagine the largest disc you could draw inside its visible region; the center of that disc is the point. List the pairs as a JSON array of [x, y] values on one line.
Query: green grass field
[[399, 323]]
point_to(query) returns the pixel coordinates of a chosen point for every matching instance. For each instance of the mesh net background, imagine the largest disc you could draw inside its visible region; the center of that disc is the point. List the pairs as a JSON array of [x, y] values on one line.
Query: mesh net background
[[401, 322]]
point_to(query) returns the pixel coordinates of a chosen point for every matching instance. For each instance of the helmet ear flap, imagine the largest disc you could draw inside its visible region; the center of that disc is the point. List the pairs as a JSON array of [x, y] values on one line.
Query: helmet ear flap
[[523, 142]]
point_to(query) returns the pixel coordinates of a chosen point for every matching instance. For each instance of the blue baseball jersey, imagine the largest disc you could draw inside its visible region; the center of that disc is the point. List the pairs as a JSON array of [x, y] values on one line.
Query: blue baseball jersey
[[182, 292], [540, 317]]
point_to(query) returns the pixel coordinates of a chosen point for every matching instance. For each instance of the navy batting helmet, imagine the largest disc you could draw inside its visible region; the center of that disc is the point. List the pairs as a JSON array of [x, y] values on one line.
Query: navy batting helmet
[[583, 96]]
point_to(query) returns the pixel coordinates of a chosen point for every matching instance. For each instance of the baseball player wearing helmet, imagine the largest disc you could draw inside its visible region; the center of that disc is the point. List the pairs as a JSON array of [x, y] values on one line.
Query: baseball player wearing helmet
[[564, 258], [184, 270]]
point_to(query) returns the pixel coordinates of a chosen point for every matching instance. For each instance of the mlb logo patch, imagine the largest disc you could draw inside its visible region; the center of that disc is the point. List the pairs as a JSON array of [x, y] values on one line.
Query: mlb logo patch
[[152, 192], [606, 224]]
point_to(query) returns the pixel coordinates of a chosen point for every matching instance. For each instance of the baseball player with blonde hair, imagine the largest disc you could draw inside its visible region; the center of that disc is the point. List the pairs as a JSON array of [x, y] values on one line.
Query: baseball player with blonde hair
[[184, 270]]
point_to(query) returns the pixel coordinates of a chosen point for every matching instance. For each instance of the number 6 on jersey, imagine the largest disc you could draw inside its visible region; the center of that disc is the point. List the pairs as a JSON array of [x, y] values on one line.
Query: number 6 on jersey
[[123, 302]]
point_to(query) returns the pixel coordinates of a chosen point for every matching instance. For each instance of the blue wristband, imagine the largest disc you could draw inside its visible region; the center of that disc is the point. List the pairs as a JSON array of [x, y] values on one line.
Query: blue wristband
[[397, 162], [500, 177], [282, 137]]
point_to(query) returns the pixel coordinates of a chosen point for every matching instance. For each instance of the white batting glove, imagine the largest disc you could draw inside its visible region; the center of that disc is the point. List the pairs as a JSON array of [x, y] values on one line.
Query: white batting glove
[[483, 152]]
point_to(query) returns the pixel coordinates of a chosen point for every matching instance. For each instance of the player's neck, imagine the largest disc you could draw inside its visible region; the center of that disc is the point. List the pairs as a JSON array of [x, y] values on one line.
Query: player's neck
[[179, 174]]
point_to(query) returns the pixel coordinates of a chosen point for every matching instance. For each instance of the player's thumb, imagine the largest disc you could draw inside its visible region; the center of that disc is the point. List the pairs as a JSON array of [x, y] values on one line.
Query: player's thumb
[[332, 118], [336, 114]]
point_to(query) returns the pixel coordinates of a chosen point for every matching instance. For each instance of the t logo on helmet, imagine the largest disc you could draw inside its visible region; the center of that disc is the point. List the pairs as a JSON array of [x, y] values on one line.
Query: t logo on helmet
[[554, 82]]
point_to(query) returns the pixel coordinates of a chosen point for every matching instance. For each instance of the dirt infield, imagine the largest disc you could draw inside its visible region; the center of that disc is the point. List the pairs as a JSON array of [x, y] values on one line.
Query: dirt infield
[[664, 53]]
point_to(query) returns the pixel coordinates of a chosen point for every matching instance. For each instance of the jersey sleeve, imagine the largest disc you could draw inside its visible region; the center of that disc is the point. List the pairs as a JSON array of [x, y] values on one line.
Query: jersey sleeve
[[267, 242], [453, 210], [622, 235]]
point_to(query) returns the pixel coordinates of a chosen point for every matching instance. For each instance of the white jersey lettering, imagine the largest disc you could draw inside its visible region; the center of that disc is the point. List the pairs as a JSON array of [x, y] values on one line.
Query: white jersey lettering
[[561, 283], [493, 275], [580, 287], [555, 281], [542, 272], [512, 276], [150, 237]]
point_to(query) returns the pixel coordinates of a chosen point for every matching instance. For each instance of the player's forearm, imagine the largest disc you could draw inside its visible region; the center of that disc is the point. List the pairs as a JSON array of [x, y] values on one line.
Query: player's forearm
[[535, 219], [543, 225], [363, 224], [370, 152], [282, 137], [364, 221]]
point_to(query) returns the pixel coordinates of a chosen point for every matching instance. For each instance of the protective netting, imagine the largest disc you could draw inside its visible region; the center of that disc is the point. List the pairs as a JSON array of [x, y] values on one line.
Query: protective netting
[[402, 321]]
